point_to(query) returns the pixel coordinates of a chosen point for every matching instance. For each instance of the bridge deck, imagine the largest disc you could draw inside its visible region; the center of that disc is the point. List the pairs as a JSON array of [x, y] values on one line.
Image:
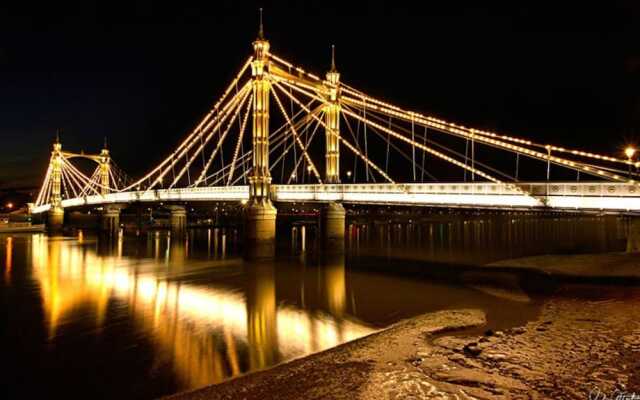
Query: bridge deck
[[562, 196]]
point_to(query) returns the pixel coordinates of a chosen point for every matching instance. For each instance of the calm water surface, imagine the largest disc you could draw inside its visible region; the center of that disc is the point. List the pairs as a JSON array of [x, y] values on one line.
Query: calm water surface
[[150, 315]]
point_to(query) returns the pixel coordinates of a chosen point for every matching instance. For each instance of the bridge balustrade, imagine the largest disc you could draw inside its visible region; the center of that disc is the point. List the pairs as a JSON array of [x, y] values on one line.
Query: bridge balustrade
[[562, 196]]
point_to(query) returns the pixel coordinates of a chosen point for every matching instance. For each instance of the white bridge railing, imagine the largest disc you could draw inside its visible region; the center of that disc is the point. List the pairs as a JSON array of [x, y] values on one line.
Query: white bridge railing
[[568, 196]]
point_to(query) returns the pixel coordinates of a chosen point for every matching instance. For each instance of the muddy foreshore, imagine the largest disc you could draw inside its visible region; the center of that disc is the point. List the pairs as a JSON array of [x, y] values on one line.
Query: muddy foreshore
[[605, 266], [585, 340], [617, 268]]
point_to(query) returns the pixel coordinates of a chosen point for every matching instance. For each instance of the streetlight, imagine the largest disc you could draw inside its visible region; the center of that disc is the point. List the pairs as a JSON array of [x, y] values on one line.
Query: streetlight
[[348, 174], [9, 205], [629, 152]]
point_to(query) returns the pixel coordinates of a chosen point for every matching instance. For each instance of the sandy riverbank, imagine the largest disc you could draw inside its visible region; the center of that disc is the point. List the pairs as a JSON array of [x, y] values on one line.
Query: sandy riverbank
[[362, 367], [585, 338], [606, 265], [574, 346]]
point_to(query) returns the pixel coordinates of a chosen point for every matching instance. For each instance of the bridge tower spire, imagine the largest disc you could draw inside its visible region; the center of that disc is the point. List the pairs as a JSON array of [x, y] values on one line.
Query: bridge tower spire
[[332, 121], [261, 214], [105, 165], [56, 212]]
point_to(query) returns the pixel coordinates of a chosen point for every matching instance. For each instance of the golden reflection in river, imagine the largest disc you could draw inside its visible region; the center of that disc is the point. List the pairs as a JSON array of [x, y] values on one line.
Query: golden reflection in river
[[208, 332], [261, 316], [8, 262], [335, 284]]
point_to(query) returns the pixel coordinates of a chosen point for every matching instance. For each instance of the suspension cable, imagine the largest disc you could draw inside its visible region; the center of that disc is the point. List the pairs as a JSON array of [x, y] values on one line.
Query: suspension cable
[[236, 106], [313, 133], [399, 136], [346, 143], [198, 127], [222, 136], [499, 144], [396, 148], [296, 137], [242, 127], [439, 146]]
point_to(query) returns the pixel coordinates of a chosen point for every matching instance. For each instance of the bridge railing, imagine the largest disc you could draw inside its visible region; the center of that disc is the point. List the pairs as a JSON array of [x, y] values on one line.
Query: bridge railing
[[571, 195], [461, 194], [481, 188], [222, 193]]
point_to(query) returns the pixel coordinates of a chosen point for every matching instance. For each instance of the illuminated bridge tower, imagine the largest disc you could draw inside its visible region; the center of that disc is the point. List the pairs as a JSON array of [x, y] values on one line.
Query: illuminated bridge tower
[[110, 220], [55, 218], [260, 224], [104, 160], [332, 120], [333, 215]]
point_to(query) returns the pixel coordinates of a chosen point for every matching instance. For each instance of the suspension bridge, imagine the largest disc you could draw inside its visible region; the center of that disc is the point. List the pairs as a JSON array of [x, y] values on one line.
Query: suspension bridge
[[371, 152]]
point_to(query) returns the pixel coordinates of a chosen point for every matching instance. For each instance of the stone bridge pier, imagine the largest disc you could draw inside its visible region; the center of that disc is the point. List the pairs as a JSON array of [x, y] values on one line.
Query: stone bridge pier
[[633, 238], [177, 219], [55, 219], [110, 219], [332, 223]]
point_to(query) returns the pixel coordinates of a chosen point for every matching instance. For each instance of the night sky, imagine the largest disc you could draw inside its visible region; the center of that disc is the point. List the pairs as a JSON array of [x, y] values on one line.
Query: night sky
[[143, 73]]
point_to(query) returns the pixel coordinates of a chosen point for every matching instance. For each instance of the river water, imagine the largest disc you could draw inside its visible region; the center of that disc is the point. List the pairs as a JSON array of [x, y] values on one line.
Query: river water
[[147, 314]]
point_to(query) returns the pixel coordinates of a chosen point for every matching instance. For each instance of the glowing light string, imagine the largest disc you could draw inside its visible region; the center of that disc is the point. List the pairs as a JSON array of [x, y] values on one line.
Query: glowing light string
[[243, 126], [220, 140], [402, 137], [342, 140], [175, 159], [197, 129], [296, 137], [358, 94]]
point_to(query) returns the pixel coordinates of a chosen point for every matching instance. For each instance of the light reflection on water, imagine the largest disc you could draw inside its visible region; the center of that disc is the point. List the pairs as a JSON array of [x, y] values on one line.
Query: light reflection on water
[[206, 329], [479, 239], [150, 315]]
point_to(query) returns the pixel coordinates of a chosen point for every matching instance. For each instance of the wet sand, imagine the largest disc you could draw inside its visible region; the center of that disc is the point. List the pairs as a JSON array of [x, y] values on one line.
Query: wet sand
[[363, 367], [587, 266], [574, 347]]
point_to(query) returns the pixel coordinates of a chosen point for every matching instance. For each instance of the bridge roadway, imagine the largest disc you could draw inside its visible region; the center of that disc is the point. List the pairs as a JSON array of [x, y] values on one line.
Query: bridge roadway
[[561, 196]]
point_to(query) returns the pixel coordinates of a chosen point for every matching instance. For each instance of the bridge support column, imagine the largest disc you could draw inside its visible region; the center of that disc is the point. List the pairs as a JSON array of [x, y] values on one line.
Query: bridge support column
[[110, 219], [260, 228], [177, 219], [55, 219], [260, 221], [333, 217], [633, 238]]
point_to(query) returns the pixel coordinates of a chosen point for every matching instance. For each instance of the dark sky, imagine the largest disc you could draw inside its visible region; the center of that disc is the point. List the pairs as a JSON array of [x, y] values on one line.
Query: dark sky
[[143, 73]]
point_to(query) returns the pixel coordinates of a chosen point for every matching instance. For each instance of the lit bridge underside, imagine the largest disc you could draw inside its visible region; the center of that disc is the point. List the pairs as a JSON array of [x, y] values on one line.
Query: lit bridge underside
[[586, 196]]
